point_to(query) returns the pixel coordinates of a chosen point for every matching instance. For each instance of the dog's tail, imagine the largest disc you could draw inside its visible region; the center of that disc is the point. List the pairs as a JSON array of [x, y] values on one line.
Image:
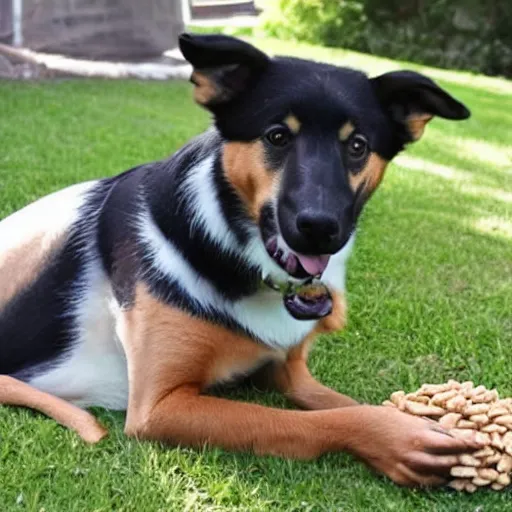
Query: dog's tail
[[16, 392]]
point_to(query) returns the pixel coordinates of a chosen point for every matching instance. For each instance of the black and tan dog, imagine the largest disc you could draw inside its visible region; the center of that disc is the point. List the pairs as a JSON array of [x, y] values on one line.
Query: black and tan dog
[[143, 291]]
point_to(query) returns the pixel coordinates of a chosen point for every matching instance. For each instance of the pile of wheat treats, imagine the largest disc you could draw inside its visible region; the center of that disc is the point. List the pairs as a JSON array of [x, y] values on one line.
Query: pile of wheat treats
[[462, 408]]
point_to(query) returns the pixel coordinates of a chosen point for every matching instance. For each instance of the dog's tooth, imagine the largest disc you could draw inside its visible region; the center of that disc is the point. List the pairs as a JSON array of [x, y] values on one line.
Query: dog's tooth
[[272, 245], [291, 264]]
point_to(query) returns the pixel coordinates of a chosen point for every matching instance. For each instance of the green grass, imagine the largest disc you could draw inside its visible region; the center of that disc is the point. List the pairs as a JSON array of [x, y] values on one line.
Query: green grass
[[429, 289]]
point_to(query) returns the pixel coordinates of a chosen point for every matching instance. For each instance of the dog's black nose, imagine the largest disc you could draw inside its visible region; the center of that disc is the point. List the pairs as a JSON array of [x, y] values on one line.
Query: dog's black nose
[[320, 229]]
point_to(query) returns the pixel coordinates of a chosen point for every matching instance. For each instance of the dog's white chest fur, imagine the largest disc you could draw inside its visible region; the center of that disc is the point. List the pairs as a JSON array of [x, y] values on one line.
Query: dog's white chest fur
[[95, 371], [262, 314], [265, 315]]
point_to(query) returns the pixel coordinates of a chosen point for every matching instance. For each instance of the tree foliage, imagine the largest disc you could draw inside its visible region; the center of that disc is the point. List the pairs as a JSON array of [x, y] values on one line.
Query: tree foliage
[[462, 34]]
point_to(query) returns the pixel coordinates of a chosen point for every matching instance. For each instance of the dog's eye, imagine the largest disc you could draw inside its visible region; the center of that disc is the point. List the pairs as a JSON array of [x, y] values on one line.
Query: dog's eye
[[278, 136], [357, 147]]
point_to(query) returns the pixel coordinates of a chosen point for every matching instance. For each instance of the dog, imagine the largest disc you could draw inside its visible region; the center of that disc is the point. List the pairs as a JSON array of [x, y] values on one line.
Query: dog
[[144, 291]]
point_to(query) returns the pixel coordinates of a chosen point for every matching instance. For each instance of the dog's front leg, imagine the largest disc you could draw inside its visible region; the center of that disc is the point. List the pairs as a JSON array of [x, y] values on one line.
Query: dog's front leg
[[185, 417], [295, 381], [173, 357], [405, 448], [293, 378]]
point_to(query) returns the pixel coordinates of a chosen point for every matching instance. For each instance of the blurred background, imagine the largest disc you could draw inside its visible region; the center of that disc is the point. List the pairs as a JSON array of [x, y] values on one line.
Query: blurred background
[[474, 35], [94, 29], [459, 34]]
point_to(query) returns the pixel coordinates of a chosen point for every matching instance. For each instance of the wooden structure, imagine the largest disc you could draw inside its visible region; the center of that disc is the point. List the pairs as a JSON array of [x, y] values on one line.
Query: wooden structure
[[129, 30]]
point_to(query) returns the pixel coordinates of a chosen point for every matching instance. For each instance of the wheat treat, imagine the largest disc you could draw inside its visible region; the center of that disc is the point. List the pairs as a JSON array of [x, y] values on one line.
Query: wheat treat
[[466, 410]]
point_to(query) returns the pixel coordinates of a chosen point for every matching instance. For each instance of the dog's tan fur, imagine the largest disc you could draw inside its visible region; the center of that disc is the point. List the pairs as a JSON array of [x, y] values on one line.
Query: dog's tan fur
[[371, 176], [25, 262], [206, 90], [184, 356], [293, 124], [244, 167], [15, 392], [346, 131], [416, 124], [188, 350]]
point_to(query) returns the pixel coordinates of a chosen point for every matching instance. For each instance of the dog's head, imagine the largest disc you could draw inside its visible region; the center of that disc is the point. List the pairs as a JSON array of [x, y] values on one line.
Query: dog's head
[[306, 144]]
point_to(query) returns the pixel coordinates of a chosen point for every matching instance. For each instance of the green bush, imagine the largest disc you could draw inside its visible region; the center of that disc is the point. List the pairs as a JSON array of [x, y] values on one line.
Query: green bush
[[461, 34], [324, 22]]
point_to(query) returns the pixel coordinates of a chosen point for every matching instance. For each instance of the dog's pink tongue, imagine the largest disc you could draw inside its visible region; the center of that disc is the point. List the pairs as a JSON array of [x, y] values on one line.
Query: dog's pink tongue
[[314, 265]]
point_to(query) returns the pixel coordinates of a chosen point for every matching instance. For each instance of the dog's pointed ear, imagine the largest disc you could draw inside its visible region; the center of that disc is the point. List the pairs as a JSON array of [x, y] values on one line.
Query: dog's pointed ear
[[223, 66], [413, 100]]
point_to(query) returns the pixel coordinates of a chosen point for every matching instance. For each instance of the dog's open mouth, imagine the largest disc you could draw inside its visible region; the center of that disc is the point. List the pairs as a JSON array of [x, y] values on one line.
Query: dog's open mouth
[[296, 265], [311, 299]]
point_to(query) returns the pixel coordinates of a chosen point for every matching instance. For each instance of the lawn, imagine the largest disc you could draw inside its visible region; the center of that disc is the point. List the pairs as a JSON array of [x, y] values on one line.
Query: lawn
[[429, 289]]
